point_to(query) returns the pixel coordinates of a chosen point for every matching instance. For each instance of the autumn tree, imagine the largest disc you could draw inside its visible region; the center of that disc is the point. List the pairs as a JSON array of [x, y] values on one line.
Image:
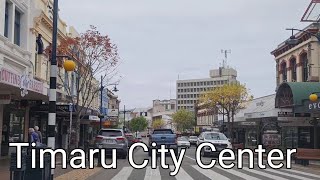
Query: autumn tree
[[183, 119], [157, 123], [96, 58], [138, 124], [228, 99]]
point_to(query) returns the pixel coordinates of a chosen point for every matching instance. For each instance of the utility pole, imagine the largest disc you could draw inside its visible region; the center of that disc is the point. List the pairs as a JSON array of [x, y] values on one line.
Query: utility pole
[[101, 106], [124, 117]]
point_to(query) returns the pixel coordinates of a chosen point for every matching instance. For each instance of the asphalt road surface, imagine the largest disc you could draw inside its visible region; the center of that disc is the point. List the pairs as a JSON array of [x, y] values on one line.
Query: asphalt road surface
[[190, 170]]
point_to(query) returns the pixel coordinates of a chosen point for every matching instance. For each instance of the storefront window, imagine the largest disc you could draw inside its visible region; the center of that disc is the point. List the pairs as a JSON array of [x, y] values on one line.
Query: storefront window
[[252, 138], [16, 125], [290, 137]]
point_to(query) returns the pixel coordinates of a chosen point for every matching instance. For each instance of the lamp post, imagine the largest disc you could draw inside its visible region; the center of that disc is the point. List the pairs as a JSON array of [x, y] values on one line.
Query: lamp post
[[101, 98], [294, 41], [53, 82]]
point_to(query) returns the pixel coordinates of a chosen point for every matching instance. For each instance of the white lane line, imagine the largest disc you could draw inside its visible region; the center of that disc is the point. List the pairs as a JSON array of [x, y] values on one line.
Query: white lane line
[[209, 173], [123, 174], [287, 174], [302, 173], [264, 174], [182, 174], [239, 174], [153, 174]]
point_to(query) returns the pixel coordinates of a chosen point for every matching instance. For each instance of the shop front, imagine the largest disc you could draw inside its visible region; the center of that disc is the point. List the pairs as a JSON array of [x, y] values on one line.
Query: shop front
[[300, 117], [18, 92]]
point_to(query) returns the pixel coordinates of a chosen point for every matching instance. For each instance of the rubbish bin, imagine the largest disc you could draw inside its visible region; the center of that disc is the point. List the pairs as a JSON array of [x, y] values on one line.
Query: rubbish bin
[[37, 173], [15, 172]]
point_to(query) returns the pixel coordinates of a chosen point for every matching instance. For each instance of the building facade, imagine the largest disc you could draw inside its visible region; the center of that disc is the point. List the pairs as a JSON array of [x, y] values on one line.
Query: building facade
[[297, 69], [19, 88], [189, 91]]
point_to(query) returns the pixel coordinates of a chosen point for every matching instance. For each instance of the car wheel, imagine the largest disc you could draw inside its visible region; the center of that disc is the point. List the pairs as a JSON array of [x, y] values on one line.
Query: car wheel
[[203, 154], [149, 152], [124, 156], [176, 151]]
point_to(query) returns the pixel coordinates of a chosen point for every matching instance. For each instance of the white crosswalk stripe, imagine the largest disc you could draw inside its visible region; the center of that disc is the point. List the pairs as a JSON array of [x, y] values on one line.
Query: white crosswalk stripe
[[123, 174], [264, 174], [153, 174], [182, 174], [217, 172], [302, 173], [286, 174], [210, 174], [237, 173]]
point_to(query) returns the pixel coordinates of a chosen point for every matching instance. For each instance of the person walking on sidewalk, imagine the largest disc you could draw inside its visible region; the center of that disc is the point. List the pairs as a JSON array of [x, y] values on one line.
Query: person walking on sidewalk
[[33, 136], [36, 129]]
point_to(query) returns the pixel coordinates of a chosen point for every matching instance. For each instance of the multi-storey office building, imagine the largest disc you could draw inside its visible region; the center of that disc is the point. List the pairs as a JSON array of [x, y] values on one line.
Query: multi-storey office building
[[189, 91]]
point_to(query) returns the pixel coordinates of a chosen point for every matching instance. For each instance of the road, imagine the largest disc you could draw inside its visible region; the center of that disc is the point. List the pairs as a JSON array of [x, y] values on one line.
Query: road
[[190, 170]]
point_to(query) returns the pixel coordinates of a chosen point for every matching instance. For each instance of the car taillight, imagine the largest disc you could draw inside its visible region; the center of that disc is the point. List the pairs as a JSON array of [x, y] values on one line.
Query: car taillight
[[120, 139], [99, 139]]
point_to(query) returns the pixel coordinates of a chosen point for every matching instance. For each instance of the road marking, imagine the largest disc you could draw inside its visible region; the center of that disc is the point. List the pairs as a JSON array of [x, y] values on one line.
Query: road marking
[[182, 174], [264, 174], [210, 174], [286, 174], [153, 174], [123, 174], [303, 173], [189, 157], [239, 174]]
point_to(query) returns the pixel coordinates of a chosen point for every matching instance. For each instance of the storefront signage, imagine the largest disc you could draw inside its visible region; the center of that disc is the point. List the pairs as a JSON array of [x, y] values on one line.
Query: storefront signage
[[285, 114], [24, 82], [248, 123], [5, 98], [313, 106], [113, 112]]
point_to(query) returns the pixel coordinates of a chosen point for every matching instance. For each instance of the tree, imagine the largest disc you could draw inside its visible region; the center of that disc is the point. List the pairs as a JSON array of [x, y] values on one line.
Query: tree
[[95, 57], [138, 124], [228, 99], [157, 123], [183, 119]]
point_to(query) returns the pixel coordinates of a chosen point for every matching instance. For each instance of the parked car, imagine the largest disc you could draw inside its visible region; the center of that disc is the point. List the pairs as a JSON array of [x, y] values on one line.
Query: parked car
[[219, 140], [163, 137], [130, 138], [109, 139], [183, 142], [193, 140]]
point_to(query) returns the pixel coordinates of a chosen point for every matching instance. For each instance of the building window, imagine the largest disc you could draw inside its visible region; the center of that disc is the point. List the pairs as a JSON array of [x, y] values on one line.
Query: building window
[[17, 27], [284, 71], [293, 66], [305, 68], [6, 20]]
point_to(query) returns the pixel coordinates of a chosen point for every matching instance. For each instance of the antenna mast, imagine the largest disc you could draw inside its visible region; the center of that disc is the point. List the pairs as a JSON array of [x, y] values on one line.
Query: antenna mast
[[225, 52]]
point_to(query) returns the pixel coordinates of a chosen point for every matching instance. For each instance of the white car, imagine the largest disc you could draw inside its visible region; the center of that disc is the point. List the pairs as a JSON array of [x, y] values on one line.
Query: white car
[[183, 142], [219, 140]]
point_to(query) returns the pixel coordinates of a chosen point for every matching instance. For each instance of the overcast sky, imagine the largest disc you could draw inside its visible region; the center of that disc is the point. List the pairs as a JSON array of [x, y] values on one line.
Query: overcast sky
[[161, 39]]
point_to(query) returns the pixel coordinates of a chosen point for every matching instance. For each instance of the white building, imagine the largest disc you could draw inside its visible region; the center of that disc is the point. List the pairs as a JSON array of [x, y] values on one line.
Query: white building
[[188, 91], [18, 88]]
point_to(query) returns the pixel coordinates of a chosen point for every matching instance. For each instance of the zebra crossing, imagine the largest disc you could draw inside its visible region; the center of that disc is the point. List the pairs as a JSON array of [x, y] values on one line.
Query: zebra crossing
[[191, 172]]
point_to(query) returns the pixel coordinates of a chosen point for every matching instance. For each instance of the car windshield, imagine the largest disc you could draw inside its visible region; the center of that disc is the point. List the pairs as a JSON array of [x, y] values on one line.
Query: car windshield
[[215, 136], [110, 133], [182, 139], [162, 132]]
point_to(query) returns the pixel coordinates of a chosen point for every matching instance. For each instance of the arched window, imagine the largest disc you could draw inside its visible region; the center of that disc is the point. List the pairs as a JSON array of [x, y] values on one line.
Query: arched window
[[305, 68], [284, 71], [293, 65]]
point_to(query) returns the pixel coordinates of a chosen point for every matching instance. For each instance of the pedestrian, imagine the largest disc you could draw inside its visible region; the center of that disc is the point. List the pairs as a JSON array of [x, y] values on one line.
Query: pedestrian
[[33, 136], [36, 129]]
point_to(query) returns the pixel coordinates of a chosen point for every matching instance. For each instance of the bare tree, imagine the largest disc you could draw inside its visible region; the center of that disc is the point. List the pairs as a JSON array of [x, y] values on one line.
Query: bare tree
[[95, 57]]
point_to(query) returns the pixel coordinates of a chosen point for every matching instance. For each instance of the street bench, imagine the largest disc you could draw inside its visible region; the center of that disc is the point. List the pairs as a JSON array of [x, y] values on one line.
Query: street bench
[[304, 155]]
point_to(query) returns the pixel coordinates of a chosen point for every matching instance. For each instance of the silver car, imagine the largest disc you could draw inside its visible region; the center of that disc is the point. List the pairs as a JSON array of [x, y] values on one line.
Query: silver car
[[219, 140], [109, 139]]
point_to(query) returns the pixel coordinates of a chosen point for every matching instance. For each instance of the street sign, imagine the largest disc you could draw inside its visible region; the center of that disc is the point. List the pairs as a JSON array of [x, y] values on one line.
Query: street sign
[[70, 107]]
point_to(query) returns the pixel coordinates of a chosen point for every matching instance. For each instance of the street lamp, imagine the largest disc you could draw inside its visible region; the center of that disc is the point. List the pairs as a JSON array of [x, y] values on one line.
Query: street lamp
[[294, 41], [53, 81], [101, 98]]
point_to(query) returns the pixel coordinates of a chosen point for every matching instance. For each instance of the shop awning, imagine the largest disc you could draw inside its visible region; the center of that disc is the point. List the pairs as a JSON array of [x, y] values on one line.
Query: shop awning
[[293, 94]]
